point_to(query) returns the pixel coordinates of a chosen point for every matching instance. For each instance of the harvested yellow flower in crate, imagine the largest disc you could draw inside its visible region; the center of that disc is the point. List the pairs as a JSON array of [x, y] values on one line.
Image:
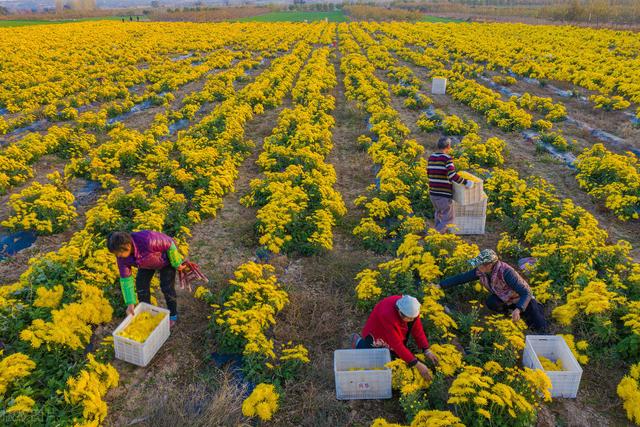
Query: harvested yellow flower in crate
[[550, 365], [565, 373], [470, 177], [468, 196], [141, 326], [136, 340]]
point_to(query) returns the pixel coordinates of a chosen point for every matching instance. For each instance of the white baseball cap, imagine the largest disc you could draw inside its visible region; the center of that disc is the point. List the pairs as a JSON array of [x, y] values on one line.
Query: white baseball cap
[[408, 306]]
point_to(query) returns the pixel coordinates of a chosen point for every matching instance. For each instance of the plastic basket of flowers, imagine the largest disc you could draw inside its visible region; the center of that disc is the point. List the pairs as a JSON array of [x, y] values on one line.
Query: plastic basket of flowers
[[551, 354], [362, 374], [139, 337], [468, 196]]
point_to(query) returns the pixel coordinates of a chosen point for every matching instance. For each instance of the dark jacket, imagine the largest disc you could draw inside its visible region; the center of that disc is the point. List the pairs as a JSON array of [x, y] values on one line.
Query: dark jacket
[[503, 281]]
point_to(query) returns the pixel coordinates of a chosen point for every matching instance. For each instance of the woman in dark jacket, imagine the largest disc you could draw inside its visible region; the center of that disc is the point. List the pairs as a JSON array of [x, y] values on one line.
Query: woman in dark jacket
[[508, 290], [149, 251]]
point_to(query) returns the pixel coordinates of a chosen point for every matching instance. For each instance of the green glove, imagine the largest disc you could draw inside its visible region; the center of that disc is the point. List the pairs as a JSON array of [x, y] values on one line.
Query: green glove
[[128, 290], [174, 256]]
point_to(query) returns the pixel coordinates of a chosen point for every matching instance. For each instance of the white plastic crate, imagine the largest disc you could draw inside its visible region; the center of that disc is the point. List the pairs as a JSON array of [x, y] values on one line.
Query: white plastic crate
[[468, 196], [439, 85], [467, 225], [553, 347], [141, 353], [362, 384], [475, 209]]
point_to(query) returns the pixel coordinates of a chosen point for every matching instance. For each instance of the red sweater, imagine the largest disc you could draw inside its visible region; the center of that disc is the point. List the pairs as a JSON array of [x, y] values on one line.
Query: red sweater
[[389, 330]]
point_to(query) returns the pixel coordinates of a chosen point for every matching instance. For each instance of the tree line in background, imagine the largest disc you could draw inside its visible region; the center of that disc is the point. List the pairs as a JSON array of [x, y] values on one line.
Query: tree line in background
[[66, 13]]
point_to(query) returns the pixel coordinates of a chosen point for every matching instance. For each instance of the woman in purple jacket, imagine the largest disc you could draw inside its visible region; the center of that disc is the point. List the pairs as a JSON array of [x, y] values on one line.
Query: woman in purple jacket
[[148, 251]]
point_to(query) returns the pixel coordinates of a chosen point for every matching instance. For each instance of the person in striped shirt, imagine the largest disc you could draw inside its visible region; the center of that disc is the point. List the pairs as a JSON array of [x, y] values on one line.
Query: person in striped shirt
[[442, 173]]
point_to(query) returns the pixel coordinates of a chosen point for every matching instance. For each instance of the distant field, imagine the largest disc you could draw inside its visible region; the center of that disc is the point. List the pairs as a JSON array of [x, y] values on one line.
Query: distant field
[[429, 18], [24, 22], [334, 16], [295, 16]]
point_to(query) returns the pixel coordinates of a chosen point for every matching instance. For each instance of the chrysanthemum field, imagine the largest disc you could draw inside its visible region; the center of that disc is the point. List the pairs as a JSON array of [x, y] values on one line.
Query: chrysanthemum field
[[289, 161]]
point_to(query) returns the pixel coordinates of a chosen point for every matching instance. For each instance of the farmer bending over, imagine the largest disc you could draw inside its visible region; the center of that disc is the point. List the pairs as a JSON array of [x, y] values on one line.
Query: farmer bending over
[[389, 325], [442, 172], [508, 290], [148, 251]]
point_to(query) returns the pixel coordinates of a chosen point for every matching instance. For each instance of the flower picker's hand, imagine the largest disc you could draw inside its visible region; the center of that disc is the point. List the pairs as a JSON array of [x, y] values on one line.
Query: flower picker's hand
[[183, 267], [515, 315], [431, 356], [468, 184], [131, 310], [424, 371]]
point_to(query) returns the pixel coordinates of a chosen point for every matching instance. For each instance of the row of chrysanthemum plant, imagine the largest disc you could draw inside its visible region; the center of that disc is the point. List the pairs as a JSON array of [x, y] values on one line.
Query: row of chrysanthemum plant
[[611, 178], [242, 320], [395, 204], [296, 200]]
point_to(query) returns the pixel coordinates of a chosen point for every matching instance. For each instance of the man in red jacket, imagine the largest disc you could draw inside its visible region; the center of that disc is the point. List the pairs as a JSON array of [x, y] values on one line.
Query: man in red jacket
[[389, 325]]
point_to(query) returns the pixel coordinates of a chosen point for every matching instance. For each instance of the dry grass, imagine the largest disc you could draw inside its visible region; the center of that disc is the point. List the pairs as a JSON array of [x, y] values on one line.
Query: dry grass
[[67, 14], [198, 405], [322, 314], [597, 404], [597, 14]]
